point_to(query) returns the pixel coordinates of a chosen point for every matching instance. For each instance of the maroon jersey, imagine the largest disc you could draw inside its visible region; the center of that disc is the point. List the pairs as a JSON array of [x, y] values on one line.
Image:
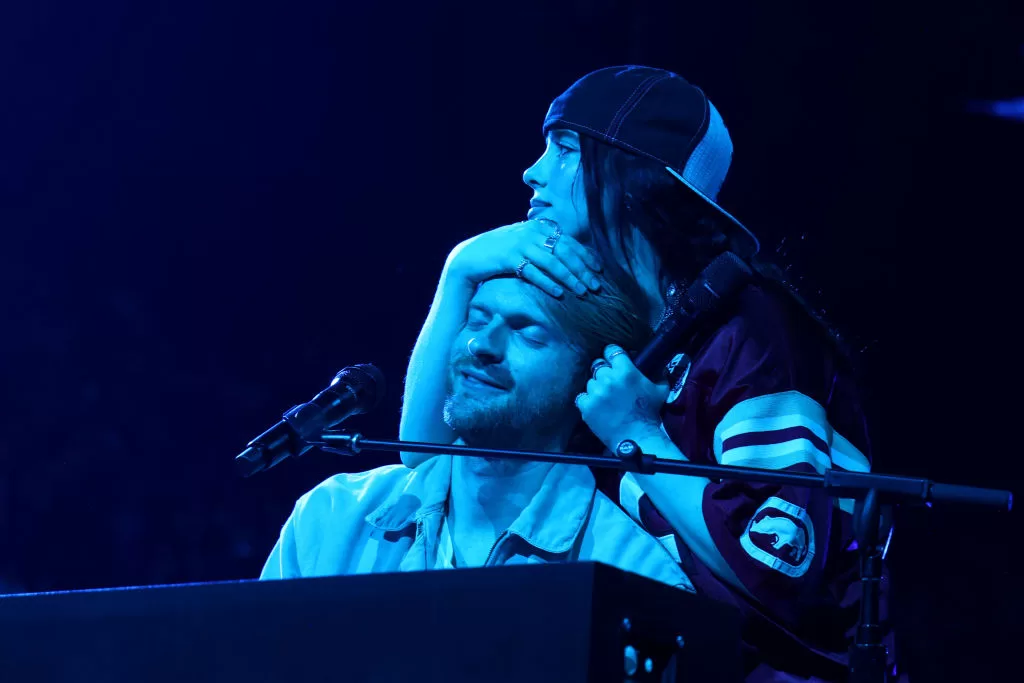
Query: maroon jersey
[[768, 388]]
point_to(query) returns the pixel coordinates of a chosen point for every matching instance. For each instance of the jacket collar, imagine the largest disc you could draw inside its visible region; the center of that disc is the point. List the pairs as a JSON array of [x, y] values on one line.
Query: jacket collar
[[551, 522]]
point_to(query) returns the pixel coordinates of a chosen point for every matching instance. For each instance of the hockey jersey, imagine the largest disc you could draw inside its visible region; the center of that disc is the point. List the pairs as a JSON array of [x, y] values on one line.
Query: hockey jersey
[[767, 387]]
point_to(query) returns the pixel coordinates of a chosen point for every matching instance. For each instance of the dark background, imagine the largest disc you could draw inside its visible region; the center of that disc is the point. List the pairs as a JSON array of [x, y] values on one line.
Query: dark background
[[208, 208]]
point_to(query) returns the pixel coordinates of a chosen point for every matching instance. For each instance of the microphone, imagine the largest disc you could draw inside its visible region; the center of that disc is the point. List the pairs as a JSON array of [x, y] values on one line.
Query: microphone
[[722, 278], [356, 389]]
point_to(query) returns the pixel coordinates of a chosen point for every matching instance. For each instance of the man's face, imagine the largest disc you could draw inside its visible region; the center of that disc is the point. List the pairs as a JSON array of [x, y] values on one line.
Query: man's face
[[557, 195], [516, 387]]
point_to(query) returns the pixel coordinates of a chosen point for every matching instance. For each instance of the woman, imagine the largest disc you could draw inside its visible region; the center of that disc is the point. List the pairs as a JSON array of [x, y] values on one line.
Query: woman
[[634, 160]]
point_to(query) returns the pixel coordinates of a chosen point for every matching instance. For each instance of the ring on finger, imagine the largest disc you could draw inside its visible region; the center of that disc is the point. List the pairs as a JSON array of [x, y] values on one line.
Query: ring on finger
[[551, 241], [521, 267], [597, 365], [616, 352]]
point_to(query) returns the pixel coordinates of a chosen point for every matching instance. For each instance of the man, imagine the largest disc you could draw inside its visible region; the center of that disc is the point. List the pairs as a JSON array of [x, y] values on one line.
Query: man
[[514, 368]]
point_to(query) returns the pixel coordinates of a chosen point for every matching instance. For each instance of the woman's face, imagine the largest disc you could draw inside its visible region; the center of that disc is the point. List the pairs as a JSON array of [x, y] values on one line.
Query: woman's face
[[557, 196]]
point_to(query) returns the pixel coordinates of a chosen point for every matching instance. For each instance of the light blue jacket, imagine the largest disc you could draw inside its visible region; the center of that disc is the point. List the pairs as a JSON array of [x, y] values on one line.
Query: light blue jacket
[[392, 519]]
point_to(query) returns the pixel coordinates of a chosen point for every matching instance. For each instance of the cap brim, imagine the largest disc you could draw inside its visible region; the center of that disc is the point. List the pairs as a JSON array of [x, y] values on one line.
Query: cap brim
[[745, 242]]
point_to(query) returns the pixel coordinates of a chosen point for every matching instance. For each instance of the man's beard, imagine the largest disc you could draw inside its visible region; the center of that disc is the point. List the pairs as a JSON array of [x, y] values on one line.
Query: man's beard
[[517, 418]]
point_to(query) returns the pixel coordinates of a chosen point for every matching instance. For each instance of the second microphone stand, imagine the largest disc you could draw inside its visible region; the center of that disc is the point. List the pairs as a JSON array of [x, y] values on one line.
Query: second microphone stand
[[875, 495]]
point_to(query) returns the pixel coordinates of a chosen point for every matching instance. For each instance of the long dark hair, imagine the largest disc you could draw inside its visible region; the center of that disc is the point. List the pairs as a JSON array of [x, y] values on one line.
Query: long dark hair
[[624, 189]]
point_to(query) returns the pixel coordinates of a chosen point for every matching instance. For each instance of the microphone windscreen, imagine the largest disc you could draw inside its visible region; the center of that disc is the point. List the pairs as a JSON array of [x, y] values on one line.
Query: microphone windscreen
[[724, 275]]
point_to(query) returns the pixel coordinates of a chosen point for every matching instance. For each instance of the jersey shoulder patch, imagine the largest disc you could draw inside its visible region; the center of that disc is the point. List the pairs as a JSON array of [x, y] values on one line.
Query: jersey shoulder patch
[[781, 536]]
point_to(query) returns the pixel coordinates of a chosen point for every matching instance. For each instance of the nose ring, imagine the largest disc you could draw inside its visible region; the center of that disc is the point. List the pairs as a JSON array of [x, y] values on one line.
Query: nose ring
[[469, 346]]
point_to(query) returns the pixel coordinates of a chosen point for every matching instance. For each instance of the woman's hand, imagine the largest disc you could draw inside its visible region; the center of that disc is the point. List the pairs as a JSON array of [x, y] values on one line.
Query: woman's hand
[[620, 403], [502, 250]]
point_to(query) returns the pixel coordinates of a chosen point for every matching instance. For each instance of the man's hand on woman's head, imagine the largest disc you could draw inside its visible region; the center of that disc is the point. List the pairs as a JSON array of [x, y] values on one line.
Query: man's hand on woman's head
[[525, 249]]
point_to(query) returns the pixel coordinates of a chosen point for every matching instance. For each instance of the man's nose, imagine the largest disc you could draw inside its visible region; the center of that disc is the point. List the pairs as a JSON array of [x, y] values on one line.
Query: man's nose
[[488, 345]]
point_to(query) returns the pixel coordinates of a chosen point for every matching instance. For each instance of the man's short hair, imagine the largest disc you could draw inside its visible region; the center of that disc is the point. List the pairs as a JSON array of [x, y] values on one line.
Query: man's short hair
[[612, 315], [615, 314]]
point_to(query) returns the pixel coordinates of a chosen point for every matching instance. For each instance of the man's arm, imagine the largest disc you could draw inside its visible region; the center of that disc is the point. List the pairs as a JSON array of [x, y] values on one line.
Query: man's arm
[[283, 562], [295, 553]]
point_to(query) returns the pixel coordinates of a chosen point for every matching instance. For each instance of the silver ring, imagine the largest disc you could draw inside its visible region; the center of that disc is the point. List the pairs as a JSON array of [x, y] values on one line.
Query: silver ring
[[551, 241], [521, 267], [597, 365], [616, 353], [469, 346]]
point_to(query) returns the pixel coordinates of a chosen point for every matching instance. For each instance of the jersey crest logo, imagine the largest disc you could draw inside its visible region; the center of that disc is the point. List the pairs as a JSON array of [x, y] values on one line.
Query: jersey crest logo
[[781, 536]]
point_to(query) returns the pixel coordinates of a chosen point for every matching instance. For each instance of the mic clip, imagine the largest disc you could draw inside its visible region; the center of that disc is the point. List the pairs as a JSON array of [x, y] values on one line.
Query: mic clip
[[340, 443]]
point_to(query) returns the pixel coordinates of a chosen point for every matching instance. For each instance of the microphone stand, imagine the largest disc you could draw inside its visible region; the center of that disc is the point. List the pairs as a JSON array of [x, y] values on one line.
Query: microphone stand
[[875, 495]]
